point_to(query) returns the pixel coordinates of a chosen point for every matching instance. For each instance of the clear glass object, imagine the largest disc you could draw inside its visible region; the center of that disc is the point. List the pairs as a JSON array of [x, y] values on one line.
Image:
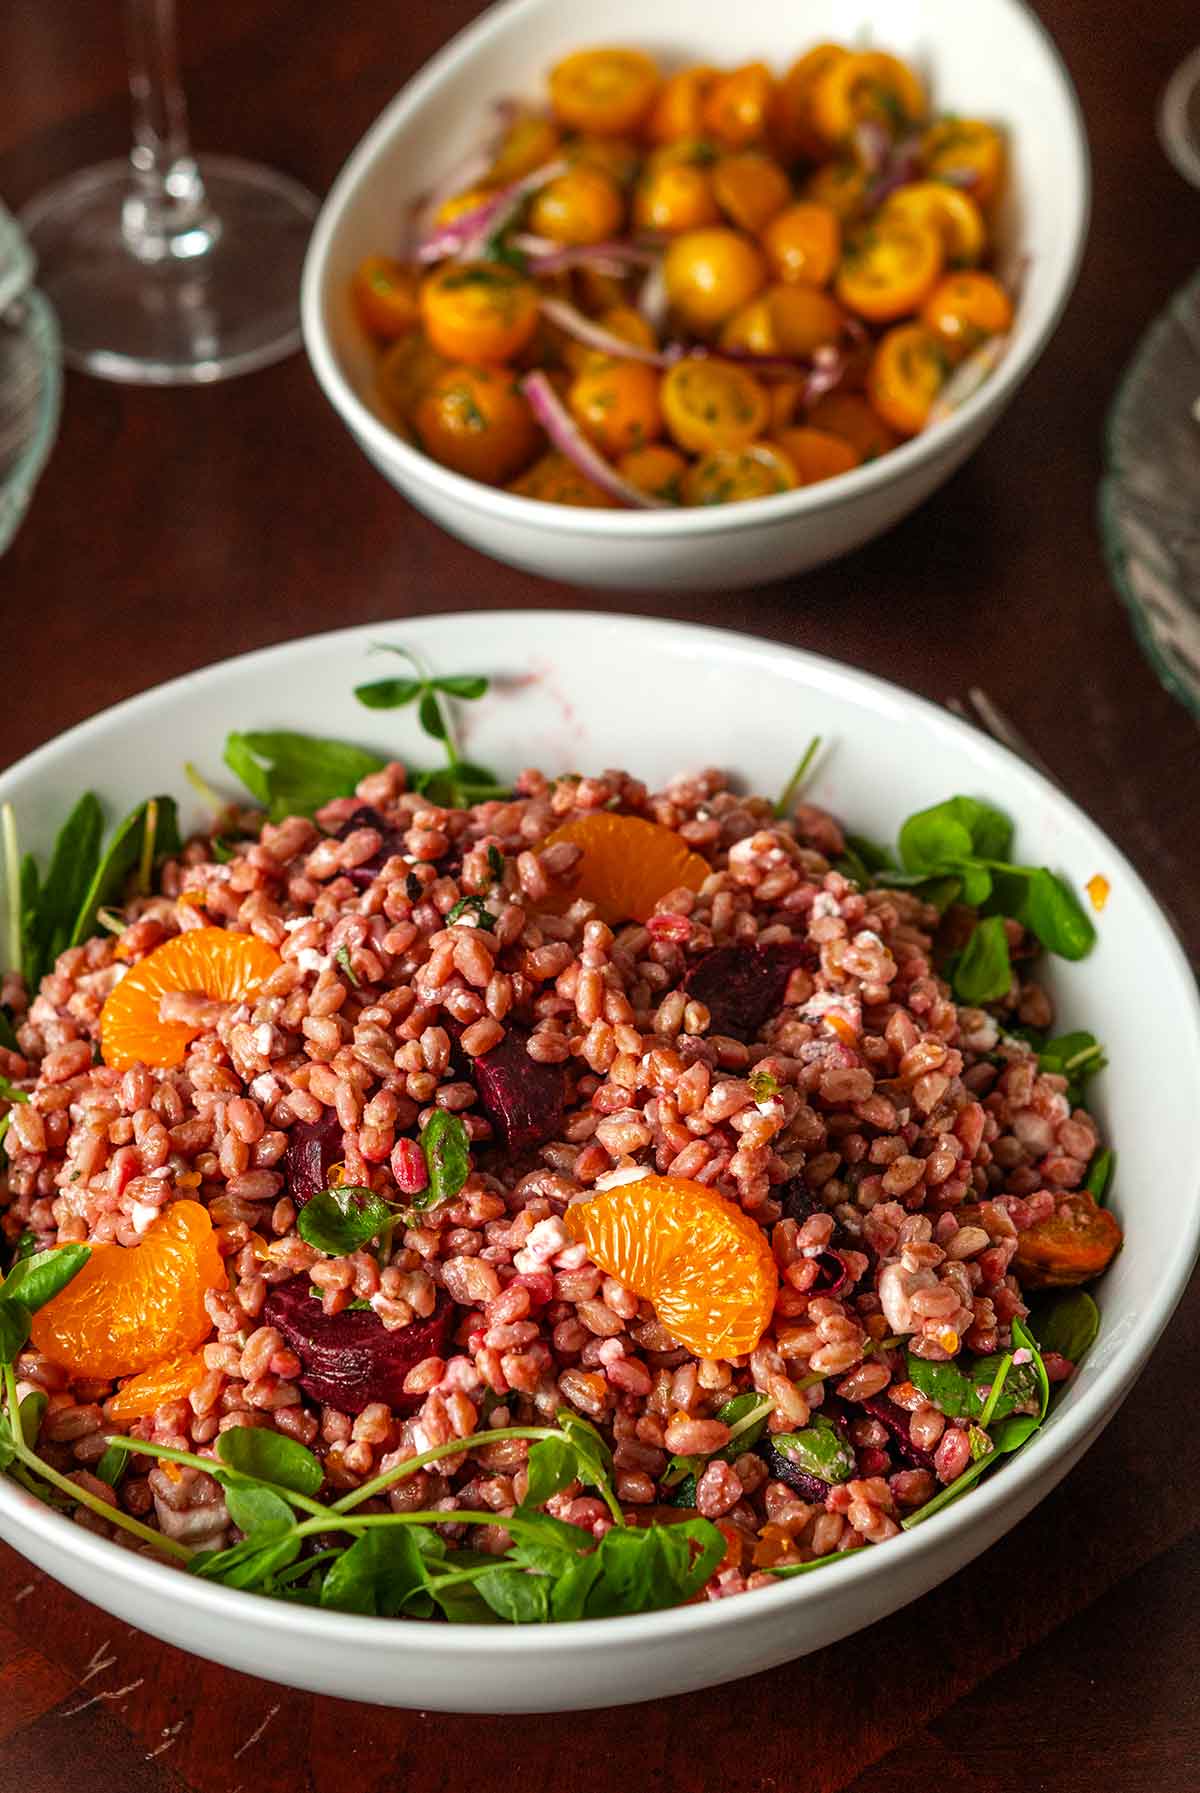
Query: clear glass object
[[168, 268]]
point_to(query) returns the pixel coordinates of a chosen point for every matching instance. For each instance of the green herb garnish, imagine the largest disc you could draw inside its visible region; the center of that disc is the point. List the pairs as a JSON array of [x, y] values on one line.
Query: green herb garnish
[[459, 783], [294, 775], [792, 788]]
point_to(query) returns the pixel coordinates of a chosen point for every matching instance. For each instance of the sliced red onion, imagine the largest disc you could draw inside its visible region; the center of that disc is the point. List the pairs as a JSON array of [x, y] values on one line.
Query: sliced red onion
[[872, 145], [828, 370], [966, 178], [471, 169], [966, 379], [652, 299], [606, 258], [607, 342], [570, 441], [903, 165], [466, 237]]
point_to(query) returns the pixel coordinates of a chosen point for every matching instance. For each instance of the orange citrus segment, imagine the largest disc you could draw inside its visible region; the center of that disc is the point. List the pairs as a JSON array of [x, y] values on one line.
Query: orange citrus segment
[[704, 1264], [628, 864], [131, 1307], [173, 1380], [214, 962]]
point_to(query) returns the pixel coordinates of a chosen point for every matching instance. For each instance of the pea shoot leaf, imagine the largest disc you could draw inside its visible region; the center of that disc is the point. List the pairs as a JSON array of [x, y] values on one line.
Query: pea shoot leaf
[[271, 1457], [338, 1221]]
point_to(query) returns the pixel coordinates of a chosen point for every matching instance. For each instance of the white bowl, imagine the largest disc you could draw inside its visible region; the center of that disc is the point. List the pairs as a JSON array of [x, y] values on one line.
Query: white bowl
[[990, 58], [706, 697]]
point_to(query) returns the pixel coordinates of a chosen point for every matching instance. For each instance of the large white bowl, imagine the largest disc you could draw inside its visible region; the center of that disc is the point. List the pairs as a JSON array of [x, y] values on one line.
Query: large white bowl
[[659, 697], [990, 58]]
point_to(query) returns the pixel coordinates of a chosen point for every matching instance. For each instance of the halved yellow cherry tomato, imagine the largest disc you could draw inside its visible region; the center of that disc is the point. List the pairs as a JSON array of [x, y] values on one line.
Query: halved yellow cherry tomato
[[710, 273], [607, 92], [849, 416], [385, 293], [889, 268], [656, 470], [964, 309], [966, 150], [792, 129], [949, 210], [530, 140], [711, 404], [679, 109], [906, 374], [816, 454], [556, 480], [785, 398], [804, 242], [785, 320], [475, 420], [478, 311], [840, 185], [867, 84], [617, 157], [583, 205], [405, 372], [459, 204], [616, 404], [737, 105], [622, 321], [674, 197], [730, 475], [750, 188]]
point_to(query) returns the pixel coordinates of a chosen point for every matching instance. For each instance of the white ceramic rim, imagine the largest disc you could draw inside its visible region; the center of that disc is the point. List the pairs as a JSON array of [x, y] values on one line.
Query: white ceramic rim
[[385, 444], [1090, 1414]]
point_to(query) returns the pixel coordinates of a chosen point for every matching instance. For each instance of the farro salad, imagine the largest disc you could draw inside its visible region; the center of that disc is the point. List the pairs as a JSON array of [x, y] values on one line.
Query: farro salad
[[423, 1196]]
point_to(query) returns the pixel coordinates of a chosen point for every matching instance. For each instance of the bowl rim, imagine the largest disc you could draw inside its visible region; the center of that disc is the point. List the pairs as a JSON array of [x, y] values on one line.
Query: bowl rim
[[383, 444], [1096, 1405]]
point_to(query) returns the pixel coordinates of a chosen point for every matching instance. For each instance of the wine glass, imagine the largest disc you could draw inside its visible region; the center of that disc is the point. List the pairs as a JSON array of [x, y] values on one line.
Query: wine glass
[[168, 269]]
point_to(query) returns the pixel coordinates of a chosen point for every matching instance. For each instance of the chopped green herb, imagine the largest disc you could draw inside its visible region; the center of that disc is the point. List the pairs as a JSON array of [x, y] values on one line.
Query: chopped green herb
[[792, 788], [342, 955], [478, 904]]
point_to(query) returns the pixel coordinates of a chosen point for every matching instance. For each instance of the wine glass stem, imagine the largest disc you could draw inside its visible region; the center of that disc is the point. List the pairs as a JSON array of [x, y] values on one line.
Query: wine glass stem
[[167, 214]]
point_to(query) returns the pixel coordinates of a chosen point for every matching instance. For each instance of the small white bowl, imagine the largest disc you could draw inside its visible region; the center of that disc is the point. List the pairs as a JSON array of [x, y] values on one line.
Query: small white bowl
[[990, 58], [660, 697]]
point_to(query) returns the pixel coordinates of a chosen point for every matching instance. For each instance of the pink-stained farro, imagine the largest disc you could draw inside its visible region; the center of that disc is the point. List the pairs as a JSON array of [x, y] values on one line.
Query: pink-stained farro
[[855, 1125]]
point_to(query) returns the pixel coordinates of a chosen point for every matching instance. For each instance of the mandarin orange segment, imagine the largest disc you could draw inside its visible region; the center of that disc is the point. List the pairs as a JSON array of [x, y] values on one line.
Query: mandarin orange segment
[[628, 864], [132, 1307], [216, 962], [706, 1267], [172, 1380]]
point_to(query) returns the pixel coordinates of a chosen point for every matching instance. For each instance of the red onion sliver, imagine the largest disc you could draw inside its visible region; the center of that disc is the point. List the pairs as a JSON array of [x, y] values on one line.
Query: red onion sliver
[[609, 258], [570, 441], [586, 330], [966, 379], [872, 144], [466, 237], [652, 299]]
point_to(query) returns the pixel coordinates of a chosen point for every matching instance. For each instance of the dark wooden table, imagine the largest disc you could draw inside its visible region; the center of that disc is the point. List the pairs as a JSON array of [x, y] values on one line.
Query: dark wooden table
[[172, 528]]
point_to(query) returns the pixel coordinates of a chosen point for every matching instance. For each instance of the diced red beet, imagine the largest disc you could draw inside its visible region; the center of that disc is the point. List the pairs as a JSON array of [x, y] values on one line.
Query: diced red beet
[[797, 1200], [311, 1148], [351, 1359], [743, 986], [832, 1274], [782, 1469], [899, 1424], [523, 1100], [393, 843]]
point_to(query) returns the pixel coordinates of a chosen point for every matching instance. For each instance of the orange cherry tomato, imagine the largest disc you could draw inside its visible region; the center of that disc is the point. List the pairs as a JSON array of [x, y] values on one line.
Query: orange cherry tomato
[[478, 311], [804, 242], [711, 404], [785, 398], [867, 84], [622, 321], [840, 185], [710, 273], [616, 404], [584, 205], [385, 293], [617, 157], [459, 204], [785, 320], [730, 475], [606, 92], [679, 109], [404, 372], [475, 420], [889, 269], [1071, 1246], [675, 197], [555, 480], [848, 415], [792, 128], [530, 141], [964, 309], [815, 454], [966, 150], [750, 188], [737, 104], [906, 374], [656, 470], [950, 211]]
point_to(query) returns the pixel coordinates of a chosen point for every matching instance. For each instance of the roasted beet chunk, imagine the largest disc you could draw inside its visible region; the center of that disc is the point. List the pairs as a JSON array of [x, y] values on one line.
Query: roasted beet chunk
[[523, 1100], [898, 1423], [796, 1200], [311, 1148], [393, 843], [351, 1359], [783, 1469], [743, 986]]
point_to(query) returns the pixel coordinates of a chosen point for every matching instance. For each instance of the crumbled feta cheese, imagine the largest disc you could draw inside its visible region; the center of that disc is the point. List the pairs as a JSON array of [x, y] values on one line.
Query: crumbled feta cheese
[[309, 959], [143, 1215], [630, 1173], [825, 905]]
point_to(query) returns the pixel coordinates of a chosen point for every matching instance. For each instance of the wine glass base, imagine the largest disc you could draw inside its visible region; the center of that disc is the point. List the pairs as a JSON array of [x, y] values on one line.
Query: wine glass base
[[186, 318]]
